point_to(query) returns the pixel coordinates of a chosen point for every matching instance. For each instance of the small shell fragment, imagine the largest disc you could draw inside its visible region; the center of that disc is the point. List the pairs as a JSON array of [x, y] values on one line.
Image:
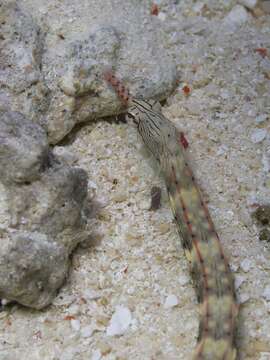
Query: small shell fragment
[[258, 135], [171, 301], [120, 321]]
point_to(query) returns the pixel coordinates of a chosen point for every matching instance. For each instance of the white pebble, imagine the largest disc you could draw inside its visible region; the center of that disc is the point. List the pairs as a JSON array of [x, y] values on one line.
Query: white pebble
[[198, 7], [131, 291], [96, 355], [222, 149], [87, 331], [66, 155], [266, 293], [91, 184], [225, 94], [91, 294], [183, 280], [75, 324], [243, 298], [234, 267], [239, 280], [161, 16], [250, 4], [261, 118], [5, 302], [171, 301], [62, 299], [139, 274], [68, 355], [120, 321], [246, 265], [74, 309], [258, 135], [237, 16], [144, 205], [229, 215]]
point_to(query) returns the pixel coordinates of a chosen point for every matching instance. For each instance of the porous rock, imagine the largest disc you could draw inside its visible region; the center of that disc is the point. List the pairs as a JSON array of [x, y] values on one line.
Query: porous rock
[[87, 60], [249, 4], [32, 267], [52, 204], [236, 17], [80, 95], [58, 80], [114, 42], [44, 217], [24, 148], [22, 87]]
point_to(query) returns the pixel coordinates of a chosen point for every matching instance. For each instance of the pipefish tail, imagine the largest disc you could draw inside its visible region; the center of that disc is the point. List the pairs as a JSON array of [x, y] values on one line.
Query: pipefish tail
[[208, 264]]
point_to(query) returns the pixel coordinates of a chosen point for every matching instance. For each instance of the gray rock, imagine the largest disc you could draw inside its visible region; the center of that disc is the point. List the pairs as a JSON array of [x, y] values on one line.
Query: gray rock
[[32, 267], [236, 17], [88, 58], [81, 95], [24, 148], [46, 224], [63, 85], [258, 135], [52, 204], [21, 82], [114, 41], [44, 200], [249, 4], [21, 49], [266, 293]]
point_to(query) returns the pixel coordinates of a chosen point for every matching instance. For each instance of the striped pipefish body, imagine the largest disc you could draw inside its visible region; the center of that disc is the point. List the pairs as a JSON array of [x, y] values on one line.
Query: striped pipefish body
[[208, 265]]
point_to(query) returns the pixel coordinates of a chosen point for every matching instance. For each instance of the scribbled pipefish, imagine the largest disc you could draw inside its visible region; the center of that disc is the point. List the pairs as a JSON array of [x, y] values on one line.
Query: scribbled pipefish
[[209, 266]]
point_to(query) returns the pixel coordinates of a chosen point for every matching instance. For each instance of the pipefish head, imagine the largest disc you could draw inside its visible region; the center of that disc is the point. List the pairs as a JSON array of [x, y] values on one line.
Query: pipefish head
[[155, 130], [139, 107]]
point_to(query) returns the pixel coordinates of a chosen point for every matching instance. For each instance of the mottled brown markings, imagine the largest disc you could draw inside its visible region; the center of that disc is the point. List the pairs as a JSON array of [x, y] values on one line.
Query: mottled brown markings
[[210, 222], [194, 240], [213, 280], [203, 291]]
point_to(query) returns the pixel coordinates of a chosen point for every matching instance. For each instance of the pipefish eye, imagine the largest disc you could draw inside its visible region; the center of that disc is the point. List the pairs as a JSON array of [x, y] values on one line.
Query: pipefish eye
[[134, 118], [130, 116]]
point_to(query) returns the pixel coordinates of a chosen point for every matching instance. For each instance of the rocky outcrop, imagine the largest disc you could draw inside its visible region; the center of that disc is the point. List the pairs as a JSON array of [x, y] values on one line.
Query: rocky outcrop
[[50, 81], [44, 202], [22, 86]]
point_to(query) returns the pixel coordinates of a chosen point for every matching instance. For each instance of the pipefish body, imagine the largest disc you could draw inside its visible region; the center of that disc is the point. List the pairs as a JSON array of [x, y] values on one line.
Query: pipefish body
[[208, 264]]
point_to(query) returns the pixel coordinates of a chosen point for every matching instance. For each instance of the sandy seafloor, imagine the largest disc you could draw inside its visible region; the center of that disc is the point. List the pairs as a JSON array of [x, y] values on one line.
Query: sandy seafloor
[[134, 258]]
